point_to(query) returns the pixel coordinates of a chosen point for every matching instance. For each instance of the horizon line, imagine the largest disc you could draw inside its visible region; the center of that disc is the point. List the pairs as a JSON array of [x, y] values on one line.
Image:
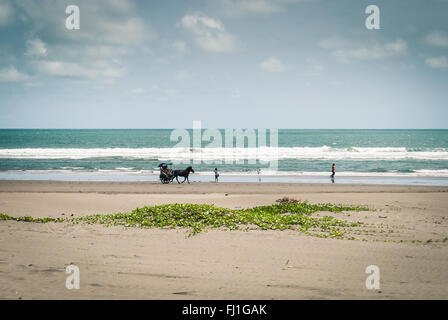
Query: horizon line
[[223, 128]]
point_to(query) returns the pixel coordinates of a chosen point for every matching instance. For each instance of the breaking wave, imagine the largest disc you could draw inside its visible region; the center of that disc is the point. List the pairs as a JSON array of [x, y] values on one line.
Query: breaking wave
[[262, 154]]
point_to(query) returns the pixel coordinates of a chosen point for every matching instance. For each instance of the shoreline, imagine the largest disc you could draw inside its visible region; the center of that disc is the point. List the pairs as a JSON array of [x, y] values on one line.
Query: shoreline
[[297, 179]]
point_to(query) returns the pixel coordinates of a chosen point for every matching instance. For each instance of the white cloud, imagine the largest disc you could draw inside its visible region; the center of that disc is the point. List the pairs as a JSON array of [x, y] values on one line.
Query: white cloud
[[209, 34], [110, 30], [272, 65], [437, 39], [6, 14], [397, 47], [375, 52], [437, 62], [103, 22], [98, 69], [11, 74], [36, 47], [243, 8]]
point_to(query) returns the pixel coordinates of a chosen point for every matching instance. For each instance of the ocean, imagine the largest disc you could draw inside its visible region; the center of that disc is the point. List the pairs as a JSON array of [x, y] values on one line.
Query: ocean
[[360, 156]]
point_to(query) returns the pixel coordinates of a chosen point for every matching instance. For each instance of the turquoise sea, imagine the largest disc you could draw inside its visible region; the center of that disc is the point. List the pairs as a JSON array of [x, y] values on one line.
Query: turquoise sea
[[361, 156]]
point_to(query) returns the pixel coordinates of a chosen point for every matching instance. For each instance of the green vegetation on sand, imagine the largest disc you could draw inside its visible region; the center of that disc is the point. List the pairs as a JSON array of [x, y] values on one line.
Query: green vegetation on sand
[[197, 217]]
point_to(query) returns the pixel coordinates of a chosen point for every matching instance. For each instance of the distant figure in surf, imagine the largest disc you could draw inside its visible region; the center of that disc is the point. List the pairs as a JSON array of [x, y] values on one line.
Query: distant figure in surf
[[216, 174], [333, 171], [258, 172]]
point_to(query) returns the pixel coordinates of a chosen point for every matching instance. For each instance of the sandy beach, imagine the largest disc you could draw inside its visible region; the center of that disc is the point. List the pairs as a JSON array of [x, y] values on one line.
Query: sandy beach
[[406, 237]]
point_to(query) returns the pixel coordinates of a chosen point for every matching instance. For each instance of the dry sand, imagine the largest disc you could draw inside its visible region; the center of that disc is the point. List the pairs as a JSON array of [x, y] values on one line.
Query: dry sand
[[127, 263]]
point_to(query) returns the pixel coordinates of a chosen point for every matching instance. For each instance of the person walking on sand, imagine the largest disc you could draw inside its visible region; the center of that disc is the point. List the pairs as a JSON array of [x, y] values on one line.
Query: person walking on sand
[[216, 174], [333, 170]]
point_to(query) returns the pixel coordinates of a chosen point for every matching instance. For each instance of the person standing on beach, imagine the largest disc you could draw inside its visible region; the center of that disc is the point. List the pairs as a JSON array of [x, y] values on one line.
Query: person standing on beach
[[333, 171], [258, 172], [216, 174]]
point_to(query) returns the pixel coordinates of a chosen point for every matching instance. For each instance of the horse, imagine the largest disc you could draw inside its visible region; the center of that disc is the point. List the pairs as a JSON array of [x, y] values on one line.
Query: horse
[[182, 173]]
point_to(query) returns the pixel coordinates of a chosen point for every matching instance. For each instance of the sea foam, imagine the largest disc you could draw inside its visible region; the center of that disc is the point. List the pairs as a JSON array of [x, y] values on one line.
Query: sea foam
[[207, 154]]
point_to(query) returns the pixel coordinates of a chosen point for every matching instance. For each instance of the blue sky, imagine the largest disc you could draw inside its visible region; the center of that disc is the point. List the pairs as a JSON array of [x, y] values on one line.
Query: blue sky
[[228, 63]]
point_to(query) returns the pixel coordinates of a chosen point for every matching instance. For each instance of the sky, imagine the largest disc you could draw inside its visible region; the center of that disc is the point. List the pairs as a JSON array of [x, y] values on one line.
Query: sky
[[228, 63]]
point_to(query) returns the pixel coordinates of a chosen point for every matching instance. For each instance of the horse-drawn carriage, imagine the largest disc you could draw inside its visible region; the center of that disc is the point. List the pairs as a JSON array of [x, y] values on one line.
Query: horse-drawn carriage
[[167, 175]]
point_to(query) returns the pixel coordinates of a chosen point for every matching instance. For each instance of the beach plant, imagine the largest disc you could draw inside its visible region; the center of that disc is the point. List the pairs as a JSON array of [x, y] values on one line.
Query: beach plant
[[30, 219], [197, 217]]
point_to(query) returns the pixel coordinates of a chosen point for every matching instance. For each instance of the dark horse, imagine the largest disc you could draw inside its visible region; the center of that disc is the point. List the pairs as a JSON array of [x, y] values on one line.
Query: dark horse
[[183, 173]]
